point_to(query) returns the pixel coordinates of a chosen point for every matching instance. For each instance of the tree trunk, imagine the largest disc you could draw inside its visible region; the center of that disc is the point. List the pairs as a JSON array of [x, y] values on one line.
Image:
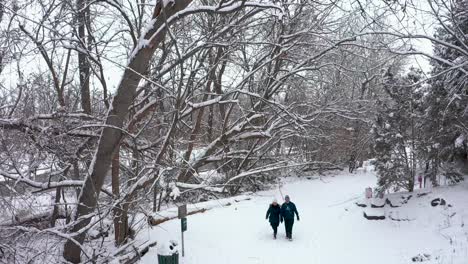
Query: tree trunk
[[186, 173], [76, 175], [83, 64], [210, 123], [120, 218], [110, 136], [55, 212], [155, 198]]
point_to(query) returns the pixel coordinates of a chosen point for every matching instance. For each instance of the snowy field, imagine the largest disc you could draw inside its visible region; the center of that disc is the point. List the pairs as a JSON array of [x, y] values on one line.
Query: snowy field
[[332, 228]]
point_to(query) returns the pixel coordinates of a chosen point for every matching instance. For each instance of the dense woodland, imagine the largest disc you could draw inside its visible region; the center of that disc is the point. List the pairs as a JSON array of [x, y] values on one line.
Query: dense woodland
[[111, 110]]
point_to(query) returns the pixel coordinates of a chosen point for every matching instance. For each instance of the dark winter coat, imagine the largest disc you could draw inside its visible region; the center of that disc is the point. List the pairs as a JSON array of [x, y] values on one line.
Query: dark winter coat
[[288, 210], [274, 214]]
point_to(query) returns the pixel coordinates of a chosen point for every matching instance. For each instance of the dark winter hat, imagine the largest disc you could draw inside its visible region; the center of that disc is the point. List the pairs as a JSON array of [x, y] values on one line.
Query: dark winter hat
[[286, 197]]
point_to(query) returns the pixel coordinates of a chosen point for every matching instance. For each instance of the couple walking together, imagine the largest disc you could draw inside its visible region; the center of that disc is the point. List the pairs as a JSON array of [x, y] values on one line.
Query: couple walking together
[[285, 212]]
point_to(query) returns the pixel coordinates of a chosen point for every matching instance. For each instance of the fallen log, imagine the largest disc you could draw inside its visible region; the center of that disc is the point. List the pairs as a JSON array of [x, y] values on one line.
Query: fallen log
[[40, 220], [423, 194], [189, 186], [387, 201], [321, 169], [152, 221], [171, 214], [374, 217], [398, 219], [136, 254]]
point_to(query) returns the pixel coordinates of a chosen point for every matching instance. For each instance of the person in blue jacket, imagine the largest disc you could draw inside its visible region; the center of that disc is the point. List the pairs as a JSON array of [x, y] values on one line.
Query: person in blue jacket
[[288, 209], [274, 216]]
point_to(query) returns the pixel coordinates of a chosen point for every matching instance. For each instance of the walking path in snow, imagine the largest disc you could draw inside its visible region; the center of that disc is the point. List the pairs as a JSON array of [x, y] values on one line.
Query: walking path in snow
[[332, 229]]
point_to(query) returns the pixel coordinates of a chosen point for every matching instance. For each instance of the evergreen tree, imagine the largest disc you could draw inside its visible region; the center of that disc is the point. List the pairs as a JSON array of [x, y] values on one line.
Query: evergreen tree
[[446, 100], [397, 133]]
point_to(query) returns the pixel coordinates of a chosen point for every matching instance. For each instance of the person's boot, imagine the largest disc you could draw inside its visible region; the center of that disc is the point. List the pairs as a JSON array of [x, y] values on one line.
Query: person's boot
[[274, 235]]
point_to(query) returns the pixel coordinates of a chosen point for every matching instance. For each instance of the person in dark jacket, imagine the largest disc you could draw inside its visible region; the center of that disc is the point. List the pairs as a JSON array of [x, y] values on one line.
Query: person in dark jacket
[[274, 216], [288, 209]]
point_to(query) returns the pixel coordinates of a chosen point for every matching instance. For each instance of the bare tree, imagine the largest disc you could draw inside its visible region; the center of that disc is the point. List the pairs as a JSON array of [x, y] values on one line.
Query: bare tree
[[245, 90]]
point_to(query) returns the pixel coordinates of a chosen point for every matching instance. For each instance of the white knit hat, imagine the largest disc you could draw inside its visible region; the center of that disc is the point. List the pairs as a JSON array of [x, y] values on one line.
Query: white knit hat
[[275, 200]]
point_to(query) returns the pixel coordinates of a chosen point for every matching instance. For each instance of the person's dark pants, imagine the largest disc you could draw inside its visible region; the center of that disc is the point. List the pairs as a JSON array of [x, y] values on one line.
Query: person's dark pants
[[288, 224], [275, 228]]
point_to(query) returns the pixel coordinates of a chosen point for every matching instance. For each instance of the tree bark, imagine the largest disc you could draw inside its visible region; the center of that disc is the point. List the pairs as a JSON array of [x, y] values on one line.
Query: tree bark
[[55, 212], [111, 134], [120, 217], [83, 64]]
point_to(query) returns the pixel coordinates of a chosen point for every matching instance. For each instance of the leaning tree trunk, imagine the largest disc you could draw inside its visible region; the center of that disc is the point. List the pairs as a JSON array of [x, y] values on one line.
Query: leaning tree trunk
[[111, 134]]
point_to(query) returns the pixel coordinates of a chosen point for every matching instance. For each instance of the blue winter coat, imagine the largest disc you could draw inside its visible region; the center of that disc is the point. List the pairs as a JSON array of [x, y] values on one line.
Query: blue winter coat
[[288, 210]]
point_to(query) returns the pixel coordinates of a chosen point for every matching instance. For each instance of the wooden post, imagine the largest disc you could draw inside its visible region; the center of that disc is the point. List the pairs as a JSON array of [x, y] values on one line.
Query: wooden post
[[183, 246], [182, 213]]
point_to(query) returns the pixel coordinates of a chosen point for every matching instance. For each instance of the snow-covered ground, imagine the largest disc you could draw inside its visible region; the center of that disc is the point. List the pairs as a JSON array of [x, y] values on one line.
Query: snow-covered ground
[[332, 228]]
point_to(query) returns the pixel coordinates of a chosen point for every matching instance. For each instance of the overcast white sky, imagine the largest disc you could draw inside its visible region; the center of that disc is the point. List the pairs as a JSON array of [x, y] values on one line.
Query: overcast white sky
[[419, 20]]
